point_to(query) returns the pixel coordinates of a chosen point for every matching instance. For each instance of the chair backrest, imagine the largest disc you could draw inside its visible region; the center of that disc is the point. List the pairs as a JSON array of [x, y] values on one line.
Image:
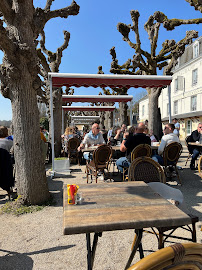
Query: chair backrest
[[172, 153], [178, 256], [73, 144], [102, 155], [147, 170], [187, 140], [141, 150]]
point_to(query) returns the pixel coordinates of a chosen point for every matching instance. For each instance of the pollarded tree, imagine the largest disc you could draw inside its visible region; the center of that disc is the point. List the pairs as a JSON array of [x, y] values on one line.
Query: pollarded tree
[[50, 62], [196, 3], [148, 63], [20, 25]]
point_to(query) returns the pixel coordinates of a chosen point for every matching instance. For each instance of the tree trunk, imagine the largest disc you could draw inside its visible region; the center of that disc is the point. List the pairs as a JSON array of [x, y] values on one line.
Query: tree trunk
[[57, 118], [30, 170], [102, 119], [123, 113], [154, 112]]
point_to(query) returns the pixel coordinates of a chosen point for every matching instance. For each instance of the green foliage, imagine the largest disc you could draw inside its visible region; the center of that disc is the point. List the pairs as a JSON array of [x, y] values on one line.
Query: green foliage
[[44, 122], [17, 208]]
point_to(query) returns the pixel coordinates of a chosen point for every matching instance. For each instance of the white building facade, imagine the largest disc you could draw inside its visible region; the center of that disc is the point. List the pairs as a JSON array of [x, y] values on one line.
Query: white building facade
[[186, 92]]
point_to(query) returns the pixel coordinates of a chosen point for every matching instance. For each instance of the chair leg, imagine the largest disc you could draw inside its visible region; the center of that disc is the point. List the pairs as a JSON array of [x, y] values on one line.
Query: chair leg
[[96, 176], [178, 176], [87, 174], [187, 159]]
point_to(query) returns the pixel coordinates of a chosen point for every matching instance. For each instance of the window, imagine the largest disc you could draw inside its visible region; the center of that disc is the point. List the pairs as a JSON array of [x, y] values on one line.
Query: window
[[193, 103], [142, 110], [168, 109], [176, 85], [189, 127], [176, 107], [194, 76], [195, 50]]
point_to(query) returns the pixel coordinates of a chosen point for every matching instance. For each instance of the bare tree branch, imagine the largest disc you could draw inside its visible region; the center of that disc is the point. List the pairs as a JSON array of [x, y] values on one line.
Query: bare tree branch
[[196, 3], [48, 5], [42, 16], [6, 9]]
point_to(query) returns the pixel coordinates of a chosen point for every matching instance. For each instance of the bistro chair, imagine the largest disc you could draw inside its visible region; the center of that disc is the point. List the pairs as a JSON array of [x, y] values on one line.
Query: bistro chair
[[147, 170], [200, 166], [171, 155], [188, 148], [72, 152], [100, 162], [141, 150], [175, 257]]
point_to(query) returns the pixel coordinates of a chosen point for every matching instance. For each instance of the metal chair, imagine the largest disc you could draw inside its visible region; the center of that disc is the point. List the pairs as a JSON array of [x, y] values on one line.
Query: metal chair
[[72, 152], [147, 170], [188, 148], [171, 155], [175, 257], [139, 151], [100, 162]]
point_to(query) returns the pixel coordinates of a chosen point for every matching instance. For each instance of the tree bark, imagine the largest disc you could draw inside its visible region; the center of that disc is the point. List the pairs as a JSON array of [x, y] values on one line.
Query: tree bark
[[123, 113], [153, 94], [30, 170]]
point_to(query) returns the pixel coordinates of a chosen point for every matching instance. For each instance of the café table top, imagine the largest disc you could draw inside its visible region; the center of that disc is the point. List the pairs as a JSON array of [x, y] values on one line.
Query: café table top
[[115, 148], [195, 143], [119, 206]]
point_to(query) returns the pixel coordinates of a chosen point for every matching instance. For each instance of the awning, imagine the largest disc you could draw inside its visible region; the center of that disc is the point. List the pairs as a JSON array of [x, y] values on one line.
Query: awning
[[88, 108], [98, 98], [104, 80]]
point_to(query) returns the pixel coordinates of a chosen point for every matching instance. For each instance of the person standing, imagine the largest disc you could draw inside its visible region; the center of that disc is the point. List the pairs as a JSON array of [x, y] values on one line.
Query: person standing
[[196, 136], [177, 127]]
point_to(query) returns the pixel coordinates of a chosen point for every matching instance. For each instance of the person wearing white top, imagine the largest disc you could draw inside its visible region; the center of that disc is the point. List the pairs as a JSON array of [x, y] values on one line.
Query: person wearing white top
[[94, 137], [177, 127], [169, 137]]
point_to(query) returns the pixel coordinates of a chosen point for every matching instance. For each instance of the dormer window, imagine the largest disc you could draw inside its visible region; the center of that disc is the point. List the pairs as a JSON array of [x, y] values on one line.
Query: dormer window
[[195, 49]]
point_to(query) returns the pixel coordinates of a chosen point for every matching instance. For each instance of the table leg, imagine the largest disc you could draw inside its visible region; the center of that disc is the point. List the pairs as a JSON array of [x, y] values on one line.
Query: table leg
[[135, 247], [91, 251]]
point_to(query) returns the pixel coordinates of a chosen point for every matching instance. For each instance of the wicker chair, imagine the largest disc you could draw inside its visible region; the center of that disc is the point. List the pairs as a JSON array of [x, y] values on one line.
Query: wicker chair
[[139, 151], [72, 151], [200, 166], [189, 153], [147, 170], [100, 162], [171, 154], [175, 257]]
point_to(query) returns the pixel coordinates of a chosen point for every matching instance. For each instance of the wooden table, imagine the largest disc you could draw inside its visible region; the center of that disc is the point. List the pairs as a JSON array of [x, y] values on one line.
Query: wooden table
[[115, 148], [118, 206], [195, 144]]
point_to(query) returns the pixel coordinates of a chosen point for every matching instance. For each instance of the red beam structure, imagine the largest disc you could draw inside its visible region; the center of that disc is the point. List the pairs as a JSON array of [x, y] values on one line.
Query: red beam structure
[[98, 98], [89, 108], [103, 80]]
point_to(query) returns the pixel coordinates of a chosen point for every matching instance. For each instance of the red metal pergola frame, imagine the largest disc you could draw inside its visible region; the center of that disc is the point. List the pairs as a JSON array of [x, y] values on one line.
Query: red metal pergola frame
[[101, 80]]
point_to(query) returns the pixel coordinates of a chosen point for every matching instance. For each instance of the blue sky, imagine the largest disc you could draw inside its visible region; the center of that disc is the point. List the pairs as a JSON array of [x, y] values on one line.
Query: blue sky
[[93, 33]]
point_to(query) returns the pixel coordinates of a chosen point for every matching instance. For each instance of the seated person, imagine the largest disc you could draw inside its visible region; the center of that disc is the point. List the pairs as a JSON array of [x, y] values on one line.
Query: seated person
[[129, 144], [119, 133], [152, 136], [104, 133], [94, 137], [168, 137], [4, 142], [195, 136]]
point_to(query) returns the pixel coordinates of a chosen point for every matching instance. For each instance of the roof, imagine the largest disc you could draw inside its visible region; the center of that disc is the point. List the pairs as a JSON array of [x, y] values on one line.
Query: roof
[[104, 80], [88, 108], [98, 98]]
